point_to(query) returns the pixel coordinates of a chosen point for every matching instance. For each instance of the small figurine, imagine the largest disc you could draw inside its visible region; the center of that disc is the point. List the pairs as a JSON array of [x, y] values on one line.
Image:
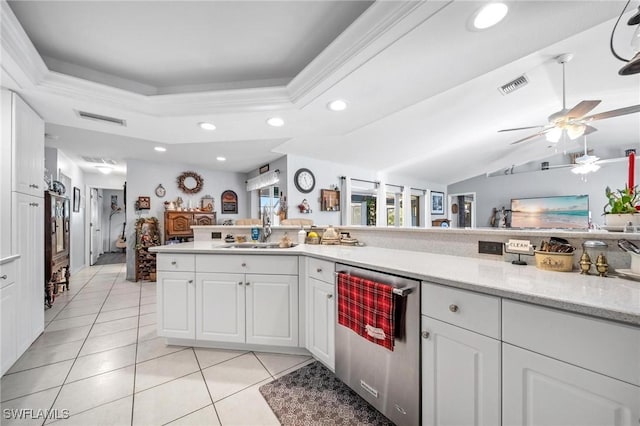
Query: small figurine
[[304, 206], [601, 265], [585, 263]]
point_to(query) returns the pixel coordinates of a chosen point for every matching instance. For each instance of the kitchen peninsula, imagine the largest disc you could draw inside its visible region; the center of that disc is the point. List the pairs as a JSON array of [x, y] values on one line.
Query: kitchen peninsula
[[513, 324]]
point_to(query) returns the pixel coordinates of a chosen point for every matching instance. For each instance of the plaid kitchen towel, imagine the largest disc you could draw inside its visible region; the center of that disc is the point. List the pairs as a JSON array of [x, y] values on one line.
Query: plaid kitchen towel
[[367, 307]]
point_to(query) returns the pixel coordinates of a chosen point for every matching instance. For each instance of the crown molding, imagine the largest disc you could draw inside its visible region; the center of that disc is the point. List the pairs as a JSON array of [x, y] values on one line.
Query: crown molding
[[382, 24]]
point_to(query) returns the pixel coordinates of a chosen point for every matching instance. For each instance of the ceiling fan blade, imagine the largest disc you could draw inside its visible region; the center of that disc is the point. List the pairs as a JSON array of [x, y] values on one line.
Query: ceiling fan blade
[[520, 128], [613, 113], [589, 129], [581, 109], [535, 135]]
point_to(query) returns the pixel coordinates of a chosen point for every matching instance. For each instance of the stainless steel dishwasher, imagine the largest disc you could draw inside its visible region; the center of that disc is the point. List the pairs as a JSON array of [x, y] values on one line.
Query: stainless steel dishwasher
[[388, 380]]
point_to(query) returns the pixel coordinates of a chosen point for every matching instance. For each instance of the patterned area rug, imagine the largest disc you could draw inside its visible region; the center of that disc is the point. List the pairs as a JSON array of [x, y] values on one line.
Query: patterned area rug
[[313, 395]]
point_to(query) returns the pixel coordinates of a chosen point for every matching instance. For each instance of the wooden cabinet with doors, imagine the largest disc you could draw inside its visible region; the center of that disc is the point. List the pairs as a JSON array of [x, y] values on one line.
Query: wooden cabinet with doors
[[177, 225], [56, 244]]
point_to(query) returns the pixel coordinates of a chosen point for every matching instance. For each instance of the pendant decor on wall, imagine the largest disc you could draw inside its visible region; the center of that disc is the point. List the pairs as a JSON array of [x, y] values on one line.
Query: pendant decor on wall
[[190, 182], [229, 201]]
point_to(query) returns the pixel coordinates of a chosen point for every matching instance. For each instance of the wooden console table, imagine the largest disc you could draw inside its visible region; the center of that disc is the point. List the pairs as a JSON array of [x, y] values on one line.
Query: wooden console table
[[177, 225]]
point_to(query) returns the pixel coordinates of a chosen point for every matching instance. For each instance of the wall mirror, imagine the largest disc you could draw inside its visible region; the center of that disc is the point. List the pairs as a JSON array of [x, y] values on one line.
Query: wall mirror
[[190, 182]]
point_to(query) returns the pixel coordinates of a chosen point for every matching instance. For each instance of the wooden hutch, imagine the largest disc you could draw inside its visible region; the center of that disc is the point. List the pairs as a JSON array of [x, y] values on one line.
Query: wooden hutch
[[57, 227], [177, 225]]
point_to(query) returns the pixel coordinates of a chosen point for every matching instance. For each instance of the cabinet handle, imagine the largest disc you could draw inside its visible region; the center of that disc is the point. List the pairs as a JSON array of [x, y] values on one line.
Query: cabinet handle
[[34, 204], [425, 335], [4, 277], [239, 282], [190, 281], [243, 265], [247, 283], [173, 263], [319, 270], [453, 308], [33, 185], [329, 296]]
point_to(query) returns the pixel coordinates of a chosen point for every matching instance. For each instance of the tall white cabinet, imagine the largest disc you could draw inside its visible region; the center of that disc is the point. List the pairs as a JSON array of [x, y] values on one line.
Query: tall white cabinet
[[22, 225]]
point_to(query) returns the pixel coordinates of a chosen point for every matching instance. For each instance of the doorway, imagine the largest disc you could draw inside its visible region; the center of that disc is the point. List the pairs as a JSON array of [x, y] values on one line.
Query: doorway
[[462, 210], [107, 221]]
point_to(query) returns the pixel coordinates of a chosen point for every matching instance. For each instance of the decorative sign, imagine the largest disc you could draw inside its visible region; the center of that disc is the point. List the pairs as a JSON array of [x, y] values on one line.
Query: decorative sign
[[229, 201], [523, 246], [264, 169], [143, 203]]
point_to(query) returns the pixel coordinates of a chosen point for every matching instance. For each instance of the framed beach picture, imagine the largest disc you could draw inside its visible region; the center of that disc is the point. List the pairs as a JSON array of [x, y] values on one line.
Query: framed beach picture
[[437, 202]]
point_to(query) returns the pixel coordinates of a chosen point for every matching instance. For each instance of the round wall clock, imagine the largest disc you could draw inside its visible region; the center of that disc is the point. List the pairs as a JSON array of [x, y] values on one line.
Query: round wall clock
[[304, 180], [160, 191]]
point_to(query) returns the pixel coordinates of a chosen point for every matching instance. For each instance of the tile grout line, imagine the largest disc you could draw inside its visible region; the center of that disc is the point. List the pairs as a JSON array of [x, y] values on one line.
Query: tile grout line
[[82, 346], [215, 410], [135, 360]]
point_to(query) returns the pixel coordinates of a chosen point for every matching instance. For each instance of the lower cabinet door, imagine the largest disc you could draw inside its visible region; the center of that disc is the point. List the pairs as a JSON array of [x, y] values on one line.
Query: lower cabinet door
[[220, 309], [176, 304], [321, 321], [541, 391], [272, 309], [460, 376], [8, 349]]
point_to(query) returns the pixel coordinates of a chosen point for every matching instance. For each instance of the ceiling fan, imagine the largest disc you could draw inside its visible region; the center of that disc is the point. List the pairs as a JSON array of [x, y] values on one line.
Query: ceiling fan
[[571, 122]]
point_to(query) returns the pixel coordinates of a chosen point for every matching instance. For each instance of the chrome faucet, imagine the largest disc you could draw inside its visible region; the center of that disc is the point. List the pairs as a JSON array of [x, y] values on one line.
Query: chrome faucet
[[266, 226]]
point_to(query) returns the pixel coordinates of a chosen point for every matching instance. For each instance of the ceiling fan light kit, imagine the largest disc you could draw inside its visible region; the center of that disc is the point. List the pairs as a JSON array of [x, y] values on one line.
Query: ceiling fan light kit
[[573, 122]]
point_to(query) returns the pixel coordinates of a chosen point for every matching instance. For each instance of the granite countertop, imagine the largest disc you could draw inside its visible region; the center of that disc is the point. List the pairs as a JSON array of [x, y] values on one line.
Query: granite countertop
[[610, 298]]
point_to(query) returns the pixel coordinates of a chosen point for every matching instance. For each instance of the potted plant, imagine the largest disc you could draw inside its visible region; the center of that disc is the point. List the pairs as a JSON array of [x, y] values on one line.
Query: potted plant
[[621, 206]]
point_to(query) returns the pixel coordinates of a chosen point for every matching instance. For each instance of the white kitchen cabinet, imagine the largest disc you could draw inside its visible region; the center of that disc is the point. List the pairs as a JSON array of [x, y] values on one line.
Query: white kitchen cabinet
[[272, 309], [28, 219], [541, 391], [220, 310], [8, 310], [27, 136], [176, 294], [247, 308], [321, 310], [461, 368], [321, 313], [220, 305]]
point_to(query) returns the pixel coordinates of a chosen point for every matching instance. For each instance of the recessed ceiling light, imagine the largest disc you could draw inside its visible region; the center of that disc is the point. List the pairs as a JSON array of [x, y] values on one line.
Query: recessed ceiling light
[[207, 126], [160, 148], [490, 15], [337, 105], [221, 159], [275, 122], [105, 170]]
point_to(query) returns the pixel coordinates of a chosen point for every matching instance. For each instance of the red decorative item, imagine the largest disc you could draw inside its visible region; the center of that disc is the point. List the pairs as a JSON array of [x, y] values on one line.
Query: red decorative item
[[632, 165], [368, 308]]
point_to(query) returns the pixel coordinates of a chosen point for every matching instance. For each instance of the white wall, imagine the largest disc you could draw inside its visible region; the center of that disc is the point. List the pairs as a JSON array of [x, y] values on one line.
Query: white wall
[[99, 180], [142, 179], [70, 169], [498, 191]]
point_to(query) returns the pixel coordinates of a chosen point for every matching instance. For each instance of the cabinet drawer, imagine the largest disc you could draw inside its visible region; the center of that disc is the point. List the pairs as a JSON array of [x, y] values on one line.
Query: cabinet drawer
[[466, 309], [599, 345], [8, 273], [322, 270], [175, 262], [257, 264]]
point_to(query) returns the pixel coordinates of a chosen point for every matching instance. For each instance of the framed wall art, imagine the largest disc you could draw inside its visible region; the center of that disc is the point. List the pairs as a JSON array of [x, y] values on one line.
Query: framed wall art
[[76, 199], [229, 202], [437, 202]]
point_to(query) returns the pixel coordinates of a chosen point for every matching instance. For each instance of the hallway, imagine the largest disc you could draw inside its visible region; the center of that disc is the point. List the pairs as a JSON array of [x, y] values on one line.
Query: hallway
[[100, 362]]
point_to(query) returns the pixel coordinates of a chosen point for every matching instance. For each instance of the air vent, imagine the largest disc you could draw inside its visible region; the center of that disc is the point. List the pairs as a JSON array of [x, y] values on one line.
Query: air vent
[[514, 85], [103, 118], [99, 160]]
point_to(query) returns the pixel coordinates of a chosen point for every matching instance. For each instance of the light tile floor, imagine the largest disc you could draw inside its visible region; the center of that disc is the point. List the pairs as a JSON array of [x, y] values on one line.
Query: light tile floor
[[100, 361]]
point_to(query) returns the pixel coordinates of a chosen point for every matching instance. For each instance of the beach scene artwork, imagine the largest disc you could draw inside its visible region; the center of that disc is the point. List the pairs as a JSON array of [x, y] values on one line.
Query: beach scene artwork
[[568, 211]]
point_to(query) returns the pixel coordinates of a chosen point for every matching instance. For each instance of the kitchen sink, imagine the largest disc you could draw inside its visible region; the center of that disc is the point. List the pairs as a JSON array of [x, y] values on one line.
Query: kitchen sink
[[252, 245]]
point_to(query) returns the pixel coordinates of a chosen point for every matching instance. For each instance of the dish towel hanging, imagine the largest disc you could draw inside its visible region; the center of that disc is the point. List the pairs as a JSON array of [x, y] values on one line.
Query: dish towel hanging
[[367, 307]]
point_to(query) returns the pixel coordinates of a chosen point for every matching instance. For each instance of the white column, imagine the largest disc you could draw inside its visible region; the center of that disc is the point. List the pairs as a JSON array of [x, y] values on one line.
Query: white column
[[406, 206]]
